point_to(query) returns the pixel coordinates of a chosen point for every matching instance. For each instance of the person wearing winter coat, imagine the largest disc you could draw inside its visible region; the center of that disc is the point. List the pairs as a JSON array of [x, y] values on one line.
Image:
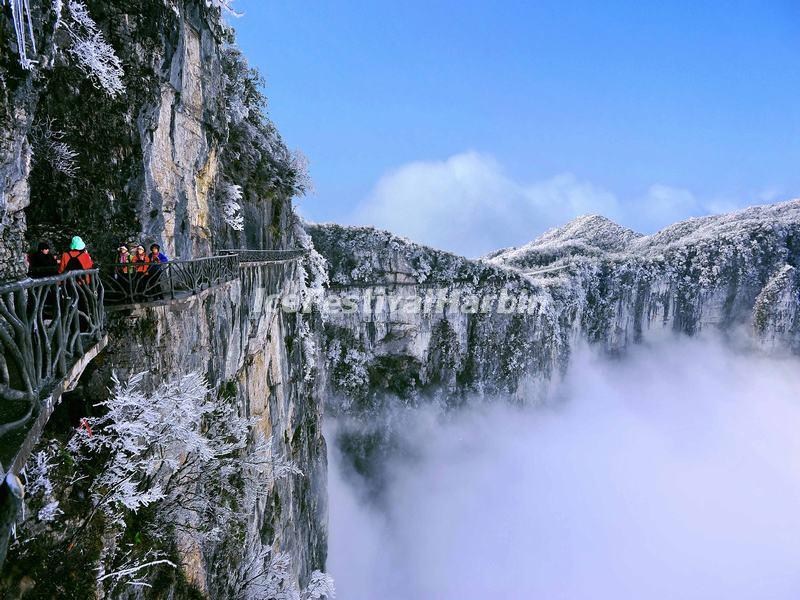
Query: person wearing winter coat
[[141, 262], [156, 255], [42, 263], [76, 258], [140, 259], [123, 258]]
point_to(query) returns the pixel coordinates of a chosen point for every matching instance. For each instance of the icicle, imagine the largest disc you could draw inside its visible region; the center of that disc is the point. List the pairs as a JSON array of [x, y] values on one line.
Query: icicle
[[23, 27]]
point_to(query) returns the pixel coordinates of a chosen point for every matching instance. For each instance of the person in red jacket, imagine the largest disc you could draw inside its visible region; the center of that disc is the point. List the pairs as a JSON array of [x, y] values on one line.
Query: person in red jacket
[[76, 258], [141, 280]]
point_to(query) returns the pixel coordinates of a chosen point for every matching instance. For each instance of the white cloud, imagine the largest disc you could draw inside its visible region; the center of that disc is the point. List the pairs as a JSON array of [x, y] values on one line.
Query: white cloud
[[464, 204], [674, 473], [469, 205]]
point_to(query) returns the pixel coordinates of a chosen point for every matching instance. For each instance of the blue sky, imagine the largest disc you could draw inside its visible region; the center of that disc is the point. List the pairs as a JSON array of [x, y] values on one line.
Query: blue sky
[[520, 115]]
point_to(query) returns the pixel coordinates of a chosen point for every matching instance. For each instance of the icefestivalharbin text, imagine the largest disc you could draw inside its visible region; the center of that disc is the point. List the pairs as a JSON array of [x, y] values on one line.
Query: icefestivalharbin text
[[427, 301]]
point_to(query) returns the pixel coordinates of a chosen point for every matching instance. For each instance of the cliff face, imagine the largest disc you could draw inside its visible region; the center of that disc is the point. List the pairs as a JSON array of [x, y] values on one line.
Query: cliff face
[[410, 325], [157, 162], [186, 157], [18, 99], [512, 318], [261, 358], [426, 322]]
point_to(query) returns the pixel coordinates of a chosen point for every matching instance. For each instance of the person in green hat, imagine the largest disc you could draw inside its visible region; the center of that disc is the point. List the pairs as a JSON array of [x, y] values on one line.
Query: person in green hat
[[76, 258]]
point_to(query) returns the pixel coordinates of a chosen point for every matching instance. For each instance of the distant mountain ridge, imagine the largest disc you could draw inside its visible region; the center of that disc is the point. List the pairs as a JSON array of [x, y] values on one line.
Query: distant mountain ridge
[[590, 281], [595, 235]]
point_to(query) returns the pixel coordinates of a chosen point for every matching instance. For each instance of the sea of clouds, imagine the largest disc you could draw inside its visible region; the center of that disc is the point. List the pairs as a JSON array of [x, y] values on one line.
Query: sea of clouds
[[671, 473]]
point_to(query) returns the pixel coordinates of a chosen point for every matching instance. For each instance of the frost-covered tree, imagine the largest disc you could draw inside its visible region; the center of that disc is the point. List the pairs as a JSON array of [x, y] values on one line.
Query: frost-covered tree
[[254, 153], [231, 205], [225, 6], [304, 183], [320, 586], [37, 476], [268, 576], [95, 56], [180, 460], [49, 147]]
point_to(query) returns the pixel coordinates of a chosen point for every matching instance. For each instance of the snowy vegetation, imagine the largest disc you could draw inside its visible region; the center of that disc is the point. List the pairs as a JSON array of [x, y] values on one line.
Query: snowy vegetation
[[231, 205], [364, 255], [254, 151], [589, 281], [269, 577], [93, 54], [49, 147], [587, 236], [256, 164], [95, 57], [225, 6], [179, 461]]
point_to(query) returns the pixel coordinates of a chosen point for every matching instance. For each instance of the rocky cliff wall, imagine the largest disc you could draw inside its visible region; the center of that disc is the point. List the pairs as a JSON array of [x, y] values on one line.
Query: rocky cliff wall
[[589, 282], [18, 97], [255, 355], [181, 153], [173, 157], [242, 341]]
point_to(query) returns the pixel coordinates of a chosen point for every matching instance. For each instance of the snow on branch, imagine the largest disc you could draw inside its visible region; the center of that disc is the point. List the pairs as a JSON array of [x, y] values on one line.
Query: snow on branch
[[231, 206], [185, 452], [49, 146], [268, 576], [320, 586], [23, 28], [130, 570], [94, 54], [303, 182], [38, 483], [226, 6]]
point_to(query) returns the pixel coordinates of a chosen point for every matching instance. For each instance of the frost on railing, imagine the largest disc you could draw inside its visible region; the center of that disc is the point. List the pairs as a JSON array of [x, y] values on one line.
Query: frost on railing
[[246, 255], [46, 325], [130, 283], [23, 29]]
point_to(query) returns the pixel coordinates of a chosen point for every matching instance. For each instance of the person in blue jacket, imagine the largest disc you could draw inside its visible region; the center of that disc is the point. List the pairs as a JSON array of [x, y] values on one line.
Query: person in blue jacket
[[156, 255]]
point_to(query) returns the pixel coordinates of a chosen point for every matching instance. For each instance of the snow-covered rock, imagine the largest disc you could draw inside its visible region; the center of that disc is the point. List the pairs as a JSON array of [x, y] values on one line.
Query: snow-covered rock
[[591, 281]]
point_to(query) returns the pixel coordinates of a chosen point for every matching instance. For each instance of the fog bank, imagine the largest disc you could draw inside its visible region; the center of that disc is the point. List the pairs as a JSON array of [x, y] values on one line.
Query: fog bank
[[674, 473]]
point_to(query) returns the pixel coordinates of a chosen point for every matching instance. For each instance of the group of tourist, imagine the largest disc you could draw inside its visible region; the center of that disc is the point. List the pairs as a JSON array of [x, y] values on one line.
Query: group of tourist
[[43, 263], [135, 254], [143, 270]]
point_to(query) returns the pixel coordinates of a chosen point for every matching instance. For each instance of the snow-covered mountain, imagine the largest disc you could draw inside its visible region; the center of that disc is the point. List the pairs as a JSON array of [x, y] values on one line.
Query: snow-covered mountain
[[589, 235], [590, 281]]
